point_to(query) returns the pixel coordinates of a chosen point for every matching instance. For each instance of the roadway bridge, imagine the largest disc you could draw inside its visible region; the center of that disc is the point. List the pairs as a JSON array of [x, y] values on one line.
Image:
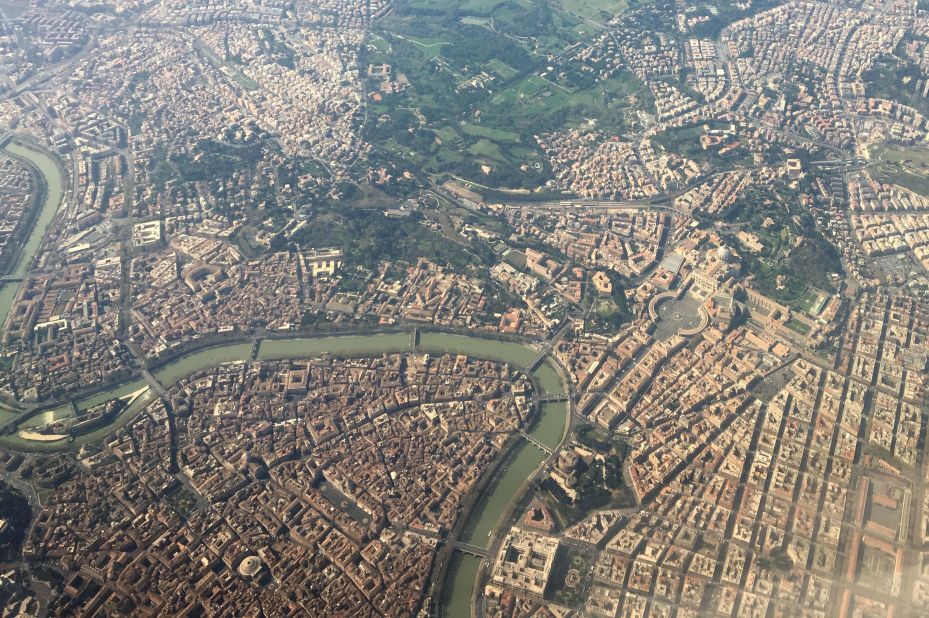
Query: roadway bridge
[[555, 398], [256, 346], [474, 550], [535, 362], [154, 384], [535, 442], [546, 348]]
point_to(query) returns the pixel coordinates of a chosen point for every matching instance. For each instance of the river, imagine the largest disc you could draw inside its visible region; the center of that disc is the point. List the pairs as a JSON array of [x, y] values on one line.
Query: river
[[547, 429], [520, 463], [462, 573], [352, 345], [54, 192], [518, 467], [198, 361]]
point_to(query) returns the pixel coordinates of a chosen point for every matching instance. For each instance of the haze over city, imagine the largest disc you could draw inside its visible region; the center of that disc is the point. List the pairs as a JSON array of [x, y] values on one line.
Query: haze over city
[[464, 308]]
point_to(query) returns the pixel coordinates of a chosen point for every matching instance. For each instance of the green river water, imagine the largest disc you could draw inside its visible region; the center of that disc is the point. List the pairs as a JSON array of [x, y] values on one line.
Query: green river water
[[352, 345], [54, 192], [519, 465], [462, 573], [198, 361]]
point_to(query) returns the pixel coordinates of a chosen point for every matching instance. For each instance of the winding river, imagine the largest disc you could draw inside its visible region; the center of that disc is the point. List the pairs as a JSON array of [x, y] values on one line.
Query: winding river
[[52, 199], [484, 518]]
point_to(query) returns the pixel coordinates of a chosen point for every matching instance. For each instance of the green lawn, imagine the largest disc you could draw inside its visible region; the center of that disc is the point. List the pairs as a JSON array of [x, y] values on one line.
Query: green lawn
[[798, 326], [430, 5], [516, 259], [527, 88], [591, 9], [571, 577], [427, 45], [488, 149], [902, 175], [497, 135], [443, 159], [484, 22], [533, 102], [500, 68], [447, 134], [486, 7], [379, 43], [910, 155], [496, 123], [811, 302], [807, 301], [907, 167]]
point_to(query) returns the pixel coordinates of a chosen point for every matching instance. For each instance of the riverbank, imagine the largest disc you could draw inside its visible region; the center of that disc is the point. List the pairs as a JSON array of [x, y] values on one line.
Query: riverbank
[[202, 354], [518, 463], [54, 180], [500, 494], [520, 459], [168, 373], [462, 574], [11, 262]]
